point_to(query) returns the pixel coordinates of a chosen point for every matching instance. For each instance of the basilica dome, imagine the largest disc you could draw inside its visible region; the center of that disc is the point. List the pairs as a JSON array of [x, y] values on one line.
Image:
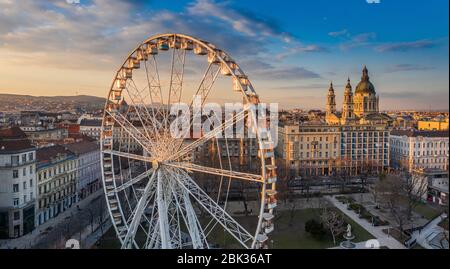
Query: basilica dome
[[365, 86]]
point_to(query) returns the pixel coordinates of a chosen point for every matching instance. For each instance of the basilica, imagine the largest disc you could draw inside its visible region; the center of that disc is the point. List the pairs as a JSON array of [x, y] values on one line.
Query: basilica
[[359, 108]]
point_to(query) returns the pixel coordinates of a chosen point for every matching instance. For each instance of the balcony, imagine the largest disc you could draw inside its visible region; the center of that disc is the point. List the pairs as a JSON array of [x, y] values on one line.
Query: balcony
[[18, 164]]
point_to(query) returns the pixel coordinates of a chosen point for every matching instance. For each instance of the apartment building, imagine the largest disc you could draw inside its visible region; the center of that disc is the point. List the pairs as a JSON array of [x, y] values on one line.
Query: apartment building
[[56, 179], [17, 183]]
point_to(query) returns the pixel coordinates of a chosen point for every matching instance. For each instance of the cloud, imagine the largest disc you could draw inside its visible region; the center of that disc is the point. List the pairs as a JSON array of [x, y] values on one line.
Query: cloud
[[322, 86], [343, 32], [364, 37], [97, 34], [266, 71], [408, 67], [406, 46], [358, 40], [244, 22], [300, 48]]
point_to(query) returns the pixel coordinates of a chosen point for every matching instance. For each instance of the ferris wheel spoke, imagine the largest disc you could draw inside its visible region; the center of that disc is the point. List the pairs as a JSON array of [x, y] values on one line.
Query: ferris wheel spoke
[[221, 216], [152, 234], [164, 229], [173, 214], [153, 81], [132, 131], [176, 76], [146, 118], [217, 171], [154, 88], [134, 180], [203, 90], [207, 82], [129, 155], [198, 238], [194, 223], [137, 214], [210, 135]]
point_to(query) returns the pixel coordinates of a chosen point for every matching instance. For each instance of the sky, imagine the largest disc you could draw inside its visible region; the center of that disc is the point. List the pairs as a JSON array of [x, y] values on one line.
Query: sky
[[291, 50]]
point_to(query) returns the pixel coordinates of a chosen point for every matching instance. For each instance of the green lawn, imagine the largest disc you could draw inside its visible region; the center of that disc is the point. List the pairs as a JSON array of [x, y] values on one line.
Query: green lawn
[[286, 235], [427, 211], [289, 235]]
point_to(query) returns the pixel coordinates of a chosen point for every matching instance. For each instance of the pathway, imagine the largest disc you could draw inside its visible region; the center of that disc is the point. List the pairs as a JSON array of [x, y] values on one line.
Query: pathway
[[377, 232]]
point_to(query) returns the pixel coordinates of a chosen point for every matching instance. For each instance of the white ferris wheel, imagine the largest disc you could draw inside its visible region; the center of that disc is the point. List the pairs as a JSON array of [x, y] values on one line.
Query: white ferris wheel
[[166, 192]]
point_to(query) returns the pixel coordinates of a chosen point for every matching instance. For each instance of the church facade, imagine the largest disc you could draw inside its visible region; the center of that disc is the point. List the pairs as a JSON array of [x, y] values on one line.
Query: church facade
[[360, 107]]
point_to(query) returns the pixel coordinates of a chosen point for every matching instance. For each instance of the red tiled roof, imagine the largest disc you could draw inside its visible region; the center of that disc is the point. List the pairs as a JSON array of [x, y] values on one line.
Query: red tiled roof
[[12, 133], [13, 139], [45, 154], [18, 145], [82, 147]]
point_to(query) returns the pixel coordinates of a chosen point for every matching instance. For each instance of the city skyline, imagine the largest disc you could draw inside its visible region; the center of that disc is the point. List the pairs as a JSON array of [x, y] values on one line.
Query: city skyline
[[291, 55]]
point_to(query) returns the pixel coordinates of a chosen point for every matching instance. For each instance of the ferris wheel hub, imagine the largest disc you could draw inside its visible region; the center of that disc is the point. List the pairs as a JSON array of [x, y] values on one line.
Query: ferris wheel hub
[[155, 164]]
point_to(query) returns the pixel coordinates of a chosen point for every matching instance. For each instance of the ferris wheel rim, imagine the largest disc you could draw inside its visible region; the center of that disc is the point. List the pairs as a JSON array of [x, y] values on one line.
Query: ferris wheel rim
[[213, 49]]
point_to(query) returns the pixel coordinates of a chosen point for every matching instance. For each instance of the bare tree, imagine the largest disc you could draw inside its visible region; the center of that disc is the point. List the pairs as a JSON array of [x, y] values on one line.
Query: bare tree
[[333, 221], [392, 193], [415, 187]]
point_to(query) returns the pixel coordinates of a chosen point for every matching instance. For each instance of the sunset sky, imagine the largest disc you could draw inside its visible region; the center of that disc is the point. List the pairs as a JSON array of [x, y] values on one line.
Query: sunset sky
[[291, 50]]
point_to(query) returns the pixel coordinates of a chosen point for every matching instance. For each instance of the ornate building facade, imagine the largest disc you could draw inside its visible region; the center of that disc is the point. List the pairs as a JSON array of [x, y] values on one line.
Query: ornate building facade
[[351, 142], [362, 107]]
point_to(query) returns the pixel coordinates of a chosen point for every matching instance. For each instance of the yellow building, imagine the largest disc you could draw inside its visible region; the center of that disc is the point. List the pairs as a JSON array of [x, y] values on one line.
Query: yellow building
[[433, 125], [312, 150], [309, 150], [56, 174]]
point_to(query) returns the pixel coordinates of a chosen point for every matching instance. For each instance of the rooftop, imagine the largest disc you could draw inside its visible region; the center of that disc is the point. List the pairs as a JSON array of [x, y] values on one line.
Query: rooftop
[[82, 147], [12, 133], [415, 133], [48, 153], [91, 122], [13, 140]]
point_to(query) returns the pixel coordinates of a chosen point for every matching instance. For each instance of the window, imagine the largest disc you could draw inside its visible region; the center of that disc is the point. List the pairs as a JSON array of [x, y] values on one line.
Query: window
[[16, 188], [24, 172], [14, 160], [16, 215], [16, 201], [24, 185], [31, 182], [24, 158], [25, 198], [30, 156], [15, 173]]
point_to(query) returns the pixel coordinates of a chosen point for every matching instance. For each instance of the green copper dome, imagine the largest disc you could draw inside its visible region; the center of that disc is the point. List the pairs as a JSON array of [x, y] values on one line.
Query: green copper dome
[[365, 86]]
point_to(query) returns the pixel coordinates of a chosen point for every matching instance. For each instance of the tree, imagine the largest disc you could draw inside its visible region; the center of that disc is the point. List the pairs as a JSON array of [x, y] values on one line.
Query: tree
[[392, 193], [415, 187], [333, 222]]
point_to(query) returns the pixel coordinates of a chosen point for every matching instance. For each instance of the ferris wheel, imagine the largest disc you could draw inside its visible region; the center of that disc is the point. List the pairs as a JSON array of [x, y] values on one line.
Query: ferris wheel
[[170, 192]]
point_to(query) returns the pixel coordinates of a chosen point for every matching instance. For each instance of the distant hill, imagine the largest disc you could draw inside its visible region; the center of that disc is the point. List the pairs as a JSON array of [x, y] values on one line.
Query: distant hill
[[14, 102]]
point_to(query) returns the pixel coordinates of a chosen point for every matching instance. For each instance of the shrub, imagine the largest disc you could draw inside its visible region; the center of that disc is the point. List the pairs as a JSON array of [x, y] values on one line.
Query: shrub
[[316, 229], [354, 206]]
